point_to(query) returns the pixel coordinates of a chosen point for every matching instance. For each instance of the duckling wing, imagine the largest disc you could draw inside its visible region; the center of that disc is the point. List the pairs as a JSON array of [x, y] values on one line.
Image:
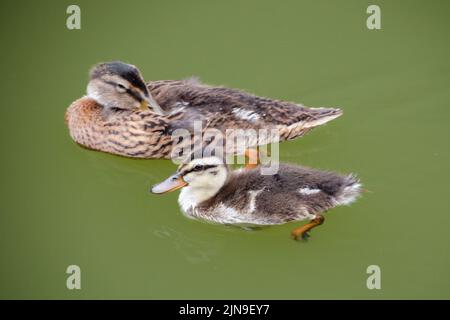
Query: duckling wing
[[226, 108], [293, 193]]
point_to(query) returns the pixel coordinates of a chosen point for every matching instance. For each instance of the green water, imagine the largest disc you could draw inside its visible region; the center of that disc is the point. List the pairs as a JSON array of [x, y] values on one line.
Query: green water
[[63, 205]]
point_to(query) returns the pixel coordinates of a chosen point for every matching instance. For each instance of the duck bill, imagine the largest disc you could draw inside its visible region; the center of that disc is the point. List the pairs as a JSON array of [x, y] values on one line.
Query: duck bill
[[172, 183], [144, 105], [150, 102]]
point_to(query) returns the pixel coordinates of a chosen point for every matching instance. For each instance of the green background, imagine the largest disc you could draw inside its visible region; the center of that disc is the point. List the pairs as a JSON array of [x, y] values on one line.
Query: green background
[[61, 204]]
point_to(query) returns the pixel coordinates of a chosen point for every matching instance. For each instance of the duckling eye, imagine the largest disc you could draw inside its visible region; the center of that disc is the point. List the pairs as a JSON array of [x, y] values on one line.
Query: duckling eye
[[120, 88]]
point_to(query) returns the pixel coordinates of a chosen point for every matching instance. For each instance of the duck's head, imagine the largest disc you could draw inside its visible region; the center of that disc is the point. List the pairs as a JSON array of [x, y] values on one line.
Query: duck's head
[[118, 85], [207, 175]]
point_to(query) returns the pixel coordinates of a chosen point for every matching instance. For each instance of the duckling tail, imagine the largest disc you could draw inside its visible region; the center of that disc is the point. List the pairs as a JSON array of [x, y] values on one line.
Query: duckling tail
[[350, 191]]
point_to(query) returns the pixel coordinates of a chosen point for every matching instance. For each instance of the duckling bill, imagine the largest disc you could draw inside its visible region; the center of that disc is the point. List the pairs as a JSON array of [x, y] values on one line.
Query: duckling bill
[[213, 192]]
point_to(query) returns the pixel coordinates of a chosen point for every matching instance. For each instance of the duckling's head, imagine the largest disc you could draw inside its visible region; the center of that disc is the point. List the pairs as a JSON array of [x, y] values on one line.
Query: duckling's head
[[204, 175], [118, 85]]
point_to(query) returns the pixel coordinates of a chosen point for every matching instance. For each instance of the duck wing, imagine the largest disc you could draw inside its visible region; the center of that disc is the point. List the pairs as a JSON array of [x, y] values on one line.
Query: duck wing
[[225, 108]]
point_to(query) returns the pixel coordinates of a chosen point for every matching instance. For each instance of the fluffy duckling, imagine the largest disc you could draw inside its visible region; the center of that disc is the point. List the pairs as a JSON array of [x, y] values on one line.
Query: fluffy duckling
[[213, 192]]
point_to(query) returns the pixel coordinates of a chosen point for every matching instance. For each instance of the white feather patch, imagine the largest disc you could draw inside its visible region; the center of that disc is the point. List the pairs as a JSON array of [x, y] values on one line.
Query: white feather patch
[[248, 115], [252, 203], [179, 107], [308, 191]]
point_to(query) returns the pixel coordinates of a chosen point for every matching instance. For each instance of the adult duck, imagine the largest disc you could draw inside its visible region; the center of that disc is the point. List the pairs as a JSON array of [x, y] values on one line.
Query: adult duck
[[123, 115]]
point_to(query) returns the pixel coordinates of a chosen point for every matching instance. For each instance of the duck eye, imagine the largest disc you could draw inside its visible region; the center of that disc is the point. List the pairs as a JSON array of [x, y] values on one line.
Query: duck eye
[[120, 88], [198, 168]]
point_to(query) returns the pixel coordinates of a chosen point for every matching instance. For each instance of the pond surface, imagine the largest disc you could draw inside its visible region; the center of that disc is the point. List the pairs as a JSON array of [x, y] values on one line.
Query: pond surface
[[64, 205]]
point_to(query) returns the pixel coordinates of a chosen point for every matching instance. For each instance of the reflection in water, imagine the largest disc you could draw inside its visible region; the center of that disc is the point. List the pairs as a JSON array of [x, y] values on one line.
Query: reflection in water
[[193, 250], [116, 172]]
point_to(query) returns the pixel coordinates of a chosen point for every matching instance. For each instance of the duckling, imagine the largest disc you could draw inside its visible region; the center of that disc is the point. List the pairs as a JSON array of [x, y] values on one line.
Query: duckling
[[122, 115], [211, 191]]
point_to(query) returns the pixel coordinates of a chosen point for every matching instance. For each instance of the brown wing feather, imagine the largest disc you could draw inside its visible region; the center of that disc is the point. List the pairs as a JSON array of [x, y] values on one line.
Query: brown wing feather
[[233, 108]]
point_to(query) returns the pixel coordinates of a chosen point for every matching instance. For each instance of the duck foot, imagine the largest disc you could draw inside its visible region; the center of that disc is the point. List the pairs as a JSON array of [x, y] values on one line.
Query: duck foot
[[301, 236], [305, 236], [252, 156], [303, 231]]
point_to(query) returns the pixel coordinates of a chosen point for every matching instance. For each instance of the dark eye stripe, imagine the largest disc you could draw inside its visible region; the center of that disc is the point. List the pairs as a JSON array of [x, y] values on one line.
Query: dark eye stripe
[[135, 95], [198, 168], [132, 93]]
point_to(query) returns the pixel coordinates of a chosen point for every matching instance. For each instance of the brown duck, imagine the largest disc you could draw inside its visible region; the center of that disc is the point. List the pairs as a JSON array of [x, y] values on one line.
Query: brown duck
[[211, 191], [122, 115]]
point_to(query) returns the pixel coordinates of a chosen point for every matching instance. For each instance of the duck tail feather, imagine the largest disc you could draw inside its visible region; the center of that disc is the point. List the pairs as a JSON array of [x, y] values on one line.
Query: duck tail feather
[[321, 116], [317, 117]]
